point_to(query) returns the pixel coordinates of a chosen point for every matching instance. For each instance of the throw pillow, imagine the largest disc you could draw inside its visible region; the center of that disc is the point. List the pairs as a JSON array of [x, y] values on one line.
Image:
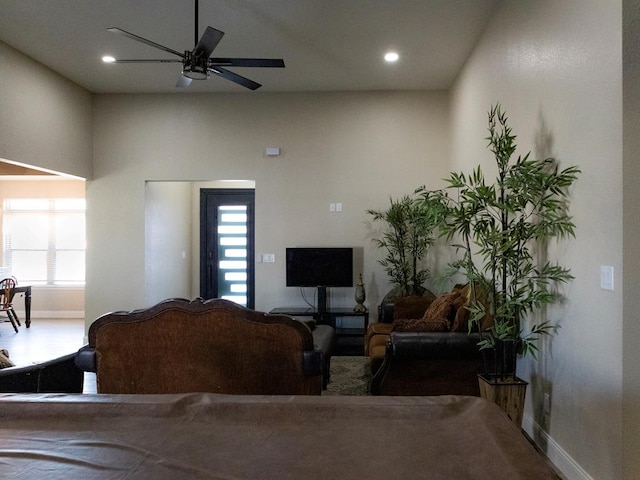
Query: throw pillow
[[420, 325], [442, 309], [412, 306], [461, 320], [461, 314], [4, 359]]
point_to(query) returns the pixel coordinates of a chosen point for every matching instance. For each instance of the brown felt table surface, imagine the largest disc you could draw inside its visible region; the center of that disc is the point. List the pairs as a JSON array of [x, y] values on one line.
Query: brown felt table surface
[[231, 437]]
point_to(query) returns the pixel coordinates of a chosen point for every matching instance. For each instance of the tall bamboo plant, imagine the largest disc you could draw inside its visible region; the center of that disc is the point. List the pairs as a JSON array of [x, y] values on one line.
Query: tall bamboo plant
[[499, 225], [410, 229]]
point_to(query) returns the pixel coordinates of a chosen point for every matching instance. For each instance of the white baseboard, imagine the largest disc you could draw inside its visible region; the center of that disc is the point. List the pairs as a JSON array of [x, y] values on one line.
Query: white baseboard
[[52, 314], [563, 462]]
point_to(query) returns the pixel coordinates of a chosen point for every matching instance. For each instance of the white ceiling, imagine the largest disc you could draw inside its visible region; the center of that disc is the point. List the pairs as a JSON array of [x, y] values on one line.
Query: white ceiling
[[326, 44]]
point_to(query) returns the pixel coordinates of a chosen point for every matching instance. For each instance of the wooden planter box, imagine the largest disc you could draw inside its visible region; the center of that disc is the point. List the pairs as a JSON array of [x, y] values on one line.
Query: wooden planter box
[[508, 394]]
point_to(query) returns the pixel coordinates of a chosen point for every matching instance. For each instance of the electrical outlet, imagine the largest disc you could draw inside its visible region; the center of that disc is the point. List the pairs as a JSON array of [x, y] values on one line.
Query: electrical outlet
[[546, 404]]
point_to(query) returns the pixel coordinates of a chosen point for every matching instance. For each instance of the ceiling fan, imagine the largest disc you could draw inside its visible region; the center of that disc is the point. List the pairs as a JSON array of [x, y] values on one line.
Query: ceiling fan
[[197, 64]]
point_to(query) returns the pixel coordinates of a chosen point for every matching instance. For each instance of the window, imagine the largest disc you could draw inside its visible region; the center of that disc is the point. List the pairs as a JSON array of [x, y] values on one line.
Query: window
[[44, 240]]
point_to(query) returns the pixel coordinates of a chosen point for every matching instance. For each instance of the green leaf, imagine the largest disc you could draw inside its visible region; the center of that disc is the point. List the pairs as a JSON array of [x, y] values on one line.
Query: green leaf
[[501, 227]]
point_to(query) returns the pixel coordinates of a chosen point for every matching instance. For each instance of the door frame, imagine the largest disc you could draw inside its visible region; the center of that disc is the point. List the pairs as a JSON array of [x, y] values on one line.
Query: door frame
[[210, 200]]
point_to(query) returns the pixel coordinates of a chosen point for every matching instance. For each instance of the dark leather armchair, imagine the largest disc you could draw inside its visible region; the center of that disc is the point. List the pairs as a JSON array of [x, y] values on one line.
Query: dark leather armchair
[[427, 349], [435, 363]]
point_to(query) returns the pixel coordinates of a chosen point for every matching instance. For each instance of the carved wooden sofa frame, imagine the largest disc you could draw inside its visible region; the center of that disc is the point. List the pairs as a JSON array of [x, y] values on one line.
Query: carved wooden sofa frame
[[212, 346]]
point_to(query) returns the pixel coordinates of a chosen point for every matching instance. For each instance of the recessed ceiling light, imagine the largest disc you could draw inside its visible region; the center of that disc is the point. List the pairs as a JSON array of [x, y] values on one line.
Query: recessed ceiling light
[[108, 59], [391, 57]]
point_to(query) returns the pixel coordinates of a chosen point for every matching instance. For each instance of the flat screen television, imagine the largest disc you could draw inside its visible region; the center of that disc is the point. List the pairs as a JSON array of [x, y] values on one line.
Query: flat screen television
[[319, 267]]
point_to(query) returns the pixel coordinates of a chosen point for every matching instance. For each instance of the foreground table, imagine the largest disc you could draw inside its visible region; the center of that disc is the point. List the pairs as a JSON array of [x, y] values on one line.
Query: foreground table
[[261, 437]]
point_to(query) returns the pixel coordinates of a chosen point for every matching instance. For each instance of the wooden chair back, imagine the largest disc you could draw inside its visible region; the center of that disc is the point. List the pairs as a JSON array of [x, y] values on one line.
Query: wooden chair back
[[6, 290], [204, 346]]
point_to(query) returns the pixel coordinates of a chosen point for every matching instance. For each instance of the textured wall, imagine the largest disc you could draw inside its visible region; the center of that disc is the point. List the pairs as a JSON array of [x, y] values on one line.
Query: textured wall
[[555, 66], [631, 195], [45, 120], [352, 148]]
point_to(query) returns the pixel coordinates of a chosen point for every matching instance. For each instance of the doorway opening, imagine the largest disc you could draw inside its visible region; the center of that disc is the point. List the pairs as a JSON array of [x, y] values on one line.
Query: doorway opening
[[227, 245]]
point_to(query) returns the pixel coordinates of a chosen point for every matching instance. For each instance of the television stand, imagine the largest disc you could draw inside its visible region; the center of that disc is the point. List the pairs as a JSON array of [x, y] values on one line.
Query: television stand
[[322, 299], [344, 336]]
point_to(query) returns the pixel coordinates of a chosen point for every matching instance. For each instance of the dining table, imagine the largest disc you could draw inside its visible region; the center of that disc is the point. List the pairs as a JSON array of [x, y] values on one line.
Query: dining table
[[25, 290]]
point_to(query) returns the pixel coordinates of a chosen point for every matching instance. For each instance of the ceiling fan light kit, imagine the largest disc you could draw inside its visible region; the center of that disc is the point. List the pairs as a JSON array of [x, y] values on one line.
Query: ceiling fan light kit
[[198, 63], [195, 68]]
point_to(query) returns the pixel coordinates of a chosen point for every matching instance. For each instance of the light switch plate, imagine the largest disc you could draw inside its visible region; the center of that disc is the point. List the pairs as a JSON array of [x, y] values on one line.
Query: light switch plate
[[268, 258], [606, 277]]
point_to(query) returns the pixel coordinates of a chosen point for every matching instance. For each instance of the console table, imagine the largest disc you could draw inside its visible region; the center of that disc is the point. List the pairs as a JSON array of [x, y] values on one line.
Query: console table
[[328, 317]]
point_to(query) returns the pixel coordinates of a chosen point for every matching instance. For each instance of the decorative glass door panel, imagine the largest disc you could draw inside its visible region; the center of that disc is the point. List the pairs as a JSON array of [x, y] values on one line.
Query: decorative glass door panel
[[232, 253], [227, 245]]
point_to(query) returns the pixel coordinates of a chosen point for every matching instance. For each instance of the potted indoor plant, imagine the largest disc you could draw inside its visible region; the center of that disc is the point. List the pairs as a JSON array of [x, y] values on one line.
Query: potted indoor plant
[[499, 225], [404, 231], [410, 228]]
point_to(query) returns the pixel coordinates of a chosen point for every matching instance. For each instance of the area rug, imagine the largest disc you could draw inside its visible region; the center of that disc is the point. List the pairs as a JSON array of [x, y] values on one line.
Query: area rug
[[349, 376]]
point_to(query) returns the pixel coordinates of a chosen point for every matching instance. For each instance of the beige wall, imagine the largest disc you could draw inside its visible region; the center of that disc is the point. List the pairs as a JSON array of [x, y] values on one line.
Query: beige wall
[[353, 148], [631, 278], [555, 66], [46, 119]]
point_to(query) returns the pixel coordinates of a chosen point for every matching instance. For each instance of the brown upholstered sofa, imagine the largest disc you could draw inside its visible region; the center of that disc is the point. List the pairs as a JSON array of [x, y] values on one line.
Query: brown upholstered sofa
[[426, 349], [212, 346]]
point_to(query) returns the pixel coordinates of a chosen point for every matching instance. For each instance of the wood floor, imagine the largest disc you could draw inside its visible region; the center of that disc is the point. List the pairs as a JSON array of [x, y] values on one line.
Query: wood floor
[[46, 339]]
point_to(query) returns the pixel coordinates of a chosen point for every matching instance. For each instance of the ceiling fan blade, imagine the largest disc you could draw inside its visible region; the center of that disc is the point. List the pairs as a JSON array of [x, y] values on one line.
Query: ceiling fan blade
[[234, 77], [144, 40], [247, 62], [143, 60], [209, 40], [183, 82]]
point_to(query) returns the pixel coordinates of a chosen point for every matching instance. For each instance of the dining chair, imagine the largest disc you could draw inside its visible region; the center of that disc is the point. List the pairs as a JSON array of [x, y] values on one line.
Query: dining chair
[[6, 291]]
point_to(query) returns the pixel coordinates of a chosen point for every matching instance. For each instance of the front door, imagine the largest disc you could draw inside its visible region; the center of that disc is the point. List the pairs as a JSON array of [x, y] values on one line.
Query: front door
[[227, 245]]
